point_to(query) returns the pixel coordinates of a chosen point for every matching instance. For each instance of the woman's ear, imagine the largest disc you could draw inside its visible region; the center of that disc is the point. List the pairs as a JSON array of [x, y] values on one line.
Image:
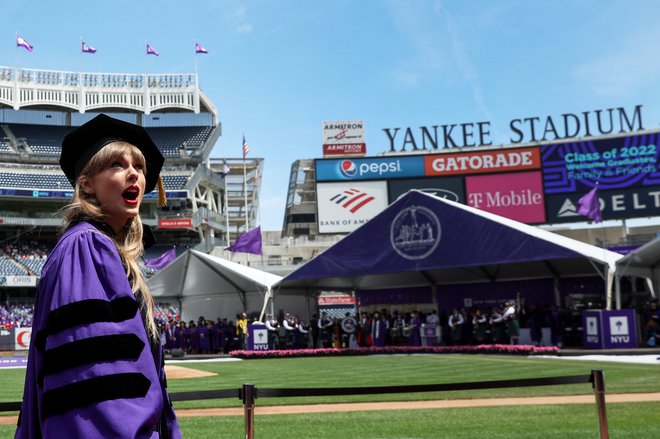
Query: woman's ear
[[86, 185]]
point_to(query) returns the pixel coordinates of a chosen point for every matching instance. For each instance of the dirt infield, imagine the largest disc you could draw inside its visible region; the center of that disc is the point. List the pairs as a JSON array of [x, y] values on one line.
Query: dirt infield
[[177, 372], [405, 405]]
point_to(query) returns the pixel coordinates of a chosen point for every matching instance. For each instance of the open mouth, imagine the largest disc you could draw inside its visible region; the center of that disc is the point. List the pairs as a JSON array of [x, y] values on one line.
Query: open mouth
[[131, 194]]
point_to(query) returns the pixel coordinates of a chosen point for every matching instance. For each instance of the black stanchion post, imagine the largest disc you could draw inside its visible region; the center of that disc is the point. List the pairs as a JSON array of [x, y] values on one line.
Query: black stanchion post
[[598, 381], [248, 405]]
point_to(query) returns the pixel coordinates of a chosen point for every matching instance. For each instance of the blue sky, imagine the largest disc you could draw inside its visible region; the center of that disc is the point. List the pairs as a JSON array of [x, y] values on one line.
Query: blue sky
[[277, 69]]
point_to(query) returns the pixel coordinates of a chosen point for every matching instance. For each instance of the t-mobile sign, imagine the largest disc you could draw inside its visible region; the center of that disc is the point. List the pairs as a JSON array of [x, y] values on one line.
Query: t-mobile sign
[[518, 196]]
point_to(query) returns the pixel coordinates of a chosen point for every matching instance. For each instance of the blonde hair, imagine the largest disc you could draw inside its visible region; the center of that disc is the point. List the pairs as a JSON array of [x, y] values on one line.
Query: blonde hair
[[129, 240]]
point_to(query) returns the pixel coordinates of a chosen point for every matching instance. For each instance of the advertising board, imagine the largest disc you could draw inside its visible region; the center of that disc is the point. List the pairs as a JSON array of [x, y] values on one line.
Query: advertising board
[[344, 138], [614, 204], [374, 168], [343, 207], [451, 188], [502, 160], [613, 163], [518, 196], [22, 338]]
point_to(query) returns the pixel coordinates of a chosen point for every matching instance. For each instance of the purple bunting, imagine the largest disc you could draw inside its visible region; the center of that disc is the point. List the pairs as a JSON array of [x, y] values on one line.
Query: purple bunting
[[86, 48], [248, 242], [163, 260], [200, 49], [151, 50], [21, 42], [589, 205]]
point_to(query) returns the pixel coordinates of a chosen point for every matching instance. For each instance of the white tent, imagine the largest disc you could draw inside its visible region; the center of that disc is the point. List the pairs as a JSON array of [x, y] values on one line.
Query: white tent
[[643, 262], [204, 284]]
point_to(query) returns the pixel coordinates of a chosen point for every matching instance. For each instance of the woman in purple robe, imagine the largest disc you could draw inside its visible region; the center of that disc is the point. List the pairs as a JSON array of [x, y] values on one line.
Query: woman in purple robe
[[378, 330], [416, 324], [193, 338], [203, 334], [181, 336], [95, 366]]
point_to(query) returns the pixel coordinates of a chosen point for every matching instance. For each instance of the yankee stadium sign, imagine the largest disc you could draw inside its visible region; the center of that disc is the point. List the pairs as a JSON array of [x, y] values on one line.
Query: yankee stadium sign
[[523, 130]]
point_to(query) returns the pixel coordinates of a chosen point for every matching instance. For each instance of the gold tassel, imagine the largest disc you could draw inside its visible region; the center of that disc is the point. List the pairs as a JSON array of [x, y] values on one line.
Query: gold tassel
[[162, 197]]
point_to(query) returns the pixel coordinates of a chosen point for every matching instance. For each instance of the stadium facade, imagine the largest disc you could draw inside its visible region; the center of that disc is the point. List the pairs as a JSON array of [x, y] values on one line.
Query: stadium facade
[[206, 205], [539, 182]]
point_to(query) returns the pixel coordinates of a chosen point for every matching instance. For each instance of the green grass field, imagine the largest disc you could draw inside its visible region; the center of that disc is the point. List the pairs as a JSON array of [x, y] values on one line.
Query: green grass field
[[578, 421]]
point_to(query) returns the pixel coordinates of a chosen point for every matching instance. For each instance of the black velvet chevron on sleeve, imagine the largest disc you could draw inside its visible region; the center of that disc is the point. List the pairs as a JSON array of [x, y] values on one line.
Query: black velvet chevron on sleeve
[[85, 312], [94, 390], [91, 350]]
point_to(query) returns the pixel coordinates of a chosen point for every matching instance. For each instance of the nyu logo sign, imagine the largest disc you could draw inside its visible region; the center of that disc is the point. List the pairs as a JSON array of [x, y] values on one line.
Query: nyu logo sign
[[619, 329]]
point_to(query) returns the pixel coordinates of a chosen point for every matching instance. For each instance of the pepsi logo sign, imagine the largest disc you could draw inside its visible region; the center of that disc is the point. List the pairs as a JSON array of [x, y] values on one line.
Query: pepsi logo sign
[[347, 168]]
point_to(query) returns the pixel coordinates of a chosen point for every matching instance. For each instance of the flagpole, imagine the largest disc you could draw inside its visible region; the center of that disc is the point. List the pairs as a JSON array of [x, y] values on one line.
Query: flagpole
[[16, 60], [80, 58], [227, 210], [245, 185]]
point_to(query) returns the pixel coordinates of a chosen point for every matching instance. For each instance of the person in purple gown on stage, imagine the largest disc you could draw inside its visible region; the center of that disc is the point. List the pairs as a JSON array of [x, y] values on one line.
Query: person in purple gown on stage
[[170, 335], [378, 330], [415, 326], [95, 366], [203, 334], [192, 337], [182, 336], [217, 336]]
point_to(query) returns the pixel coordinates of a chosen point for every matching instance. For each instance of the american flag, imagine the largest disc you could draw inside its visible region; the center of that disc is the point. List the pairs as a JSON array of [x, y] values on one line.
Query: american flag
[[246, 148]]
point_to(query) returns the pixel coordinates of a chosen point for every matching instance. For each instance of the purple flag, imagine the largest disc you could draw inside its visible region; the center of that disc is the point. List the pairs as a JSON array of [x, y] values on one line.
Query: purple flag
[[200, 49], [86, 48], [151, 50], [248, 242], [589, 205], [225, 169], [21, 42], [160, 262]]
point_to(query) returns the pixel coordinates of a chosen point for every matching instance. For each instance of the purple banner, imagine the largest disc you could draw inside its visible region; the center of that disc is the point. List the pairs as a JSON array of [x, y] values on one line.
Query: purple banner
[[613, 163], [619, 329], [395, 297], [14, 361], [613, 329], [257, 339]]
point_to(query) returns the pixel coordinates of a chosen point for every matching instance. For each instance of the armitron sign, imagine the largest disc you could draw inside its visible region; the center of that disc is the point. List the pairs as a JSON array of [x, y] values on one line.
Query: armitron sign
[[344, 138]]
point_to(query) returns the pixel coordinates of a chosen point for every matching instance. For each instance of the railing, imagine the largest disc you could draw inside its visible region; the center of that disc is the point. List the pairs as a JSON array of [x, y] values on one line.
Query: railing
[[249, 393], [84, 91]]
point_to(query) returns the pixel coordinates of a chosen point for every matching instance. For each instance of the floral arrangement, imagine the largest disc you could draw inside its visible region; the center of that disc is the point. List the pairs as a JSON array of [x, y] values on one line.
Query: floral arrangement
[[479, 349]]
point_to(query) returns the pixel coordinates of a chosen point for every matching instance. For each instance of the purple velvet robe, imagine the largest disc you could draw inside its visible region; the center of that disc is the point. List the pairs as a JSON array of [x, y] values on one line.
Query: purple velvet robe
[[378, 332], [91, 371]]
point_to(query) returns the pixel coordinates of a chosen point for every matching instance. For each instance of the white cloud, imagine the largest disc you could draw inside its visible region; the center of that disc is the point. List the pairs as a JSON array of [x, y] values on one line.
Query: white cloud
[[240, 21], [626, 68], [440, 49]]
